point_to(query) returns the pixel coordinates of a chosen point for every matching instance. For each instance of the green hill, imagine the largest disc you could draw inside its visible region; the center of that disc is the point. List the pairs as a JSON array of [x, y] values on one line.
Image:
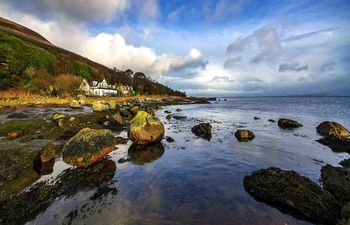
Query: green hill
[[29, 62]]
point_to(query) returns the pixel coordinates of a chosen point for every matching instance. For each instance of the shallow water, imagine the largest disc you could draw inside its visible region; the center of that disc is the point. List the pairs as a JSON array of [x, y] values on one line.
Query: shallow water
[[195, 181]]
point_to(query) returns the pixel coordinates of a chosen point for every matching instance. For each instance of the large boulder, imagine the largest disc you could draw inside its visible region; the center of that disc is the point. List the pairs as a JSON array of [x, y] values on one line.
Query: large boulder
[[244, 135], [145, 128], [88, 146], [294, 194], [202, 130], [98, 106], [288, 123], [336, 180], [332, 129], [337, 144]]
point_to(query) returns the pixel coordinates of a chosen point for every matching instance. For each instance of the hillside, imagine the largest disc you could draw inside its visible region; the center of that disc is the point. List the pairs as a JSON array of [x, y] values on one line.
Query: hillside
[[29, 62]]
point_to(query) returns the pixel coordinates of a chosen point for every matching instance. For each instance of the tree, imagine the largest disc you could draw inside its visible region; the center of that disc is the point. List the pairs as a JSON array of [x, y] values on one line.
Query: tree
[[139, 75]]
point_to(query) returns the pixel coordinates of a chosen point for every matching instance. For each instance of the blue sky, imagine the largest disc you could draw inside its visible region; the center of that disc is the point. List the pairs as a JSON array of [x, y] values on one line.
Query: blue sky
[[207, 47]]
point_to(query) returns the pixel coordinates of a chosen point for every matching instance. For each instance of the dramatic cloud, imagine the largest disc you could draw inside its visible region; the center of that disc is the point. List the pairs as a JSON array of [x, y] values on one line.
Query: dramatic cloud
[[292, 67]]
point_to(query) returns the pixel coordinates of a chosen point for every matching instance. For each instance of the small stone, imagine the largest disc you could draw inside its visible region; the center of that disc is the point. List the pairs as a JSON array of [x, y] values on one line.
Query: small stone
[[272, 121], [256, 118], [288, 123], [178, 110], [169, 139], [58, 116], [14, 134], [244, 135], [168, 117], [202, 130]]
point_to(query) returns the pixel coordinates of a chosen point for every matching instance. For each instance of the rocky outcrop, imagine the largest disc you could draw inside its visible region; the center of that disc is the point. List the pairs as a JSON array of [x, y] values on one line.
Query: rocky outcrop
[[244, 135], [337, 144], [145, 128], [288, 123], [329, 128], [202, 130], [88, 146], [294, 194], [336, 180]]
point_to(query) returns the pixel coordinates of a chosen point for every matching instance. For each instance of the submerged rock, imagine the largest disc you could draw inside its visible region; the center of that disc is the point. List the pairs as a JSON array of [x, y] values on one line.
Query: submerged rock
[[332, 129], [88, 146], [337, 144], [256, 118], [288, 123], [143, 154], [145, 128], [74, 104], [244, 135], [336, 180], [202, 130], [98, 106], [294, 194]]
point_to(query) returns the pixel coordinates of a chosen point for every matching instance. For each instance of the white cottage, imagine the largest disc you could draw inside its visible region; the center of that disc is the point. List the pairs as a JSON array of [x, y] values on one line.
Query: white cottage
[[98, 88]]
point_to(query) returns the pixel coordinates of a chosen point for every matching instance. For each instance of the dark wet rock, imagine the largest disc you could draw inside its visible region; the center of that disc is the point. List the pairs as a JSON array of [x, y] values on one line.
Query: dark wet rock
[[47, 153], [178, 110], [45, 168], [345, 163], [337, 144], [332, 129], [345, 215], [123, 160], [121, 140], [19, 115], [272, 121], [119, 119], [169, 139], [256, 118], [168, 117], [244, 135], [336, 180], [25, 206], [202, 130], [288, 123], [88, 146], [167, 112], [14, 134], [145, 128], [293, 194], [143, 154], [178, 117]]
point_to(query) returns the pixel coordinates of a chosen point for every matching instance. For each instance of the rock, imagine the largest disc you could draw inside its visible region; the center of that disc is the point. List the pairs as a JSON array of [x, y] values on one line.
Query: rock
[[14, 134], [272, 121], [113, 104], [178, 117], [332, 129], [88, 146], [74, 104], [44, 168], [167, 112], [72, 119], [58, 116], [345, 215], [178, 110], [256, 118], [47, 153], [123, 160], [124, 111], [287, 123], [337, 144], [244, 135], [345, 163], [135, 109], [168, 117], [145, 128], [150, 111], [143, 154], [202, 130], [98, 106], [293, 193], [336, 180], [119, 119], [61, 123], [169, 139]]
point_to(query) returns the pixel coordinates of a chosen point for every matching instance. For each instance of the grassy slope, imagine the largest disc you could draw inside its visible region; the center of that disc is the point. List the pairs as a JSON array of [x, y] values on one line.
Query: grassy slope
[[23, 53]]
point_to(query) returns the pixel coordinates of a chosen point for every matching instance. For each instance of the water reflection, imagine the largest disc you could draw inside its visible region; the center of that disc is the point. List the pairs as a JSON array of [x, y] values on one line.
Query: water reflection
[[27, 205], [143, 154]]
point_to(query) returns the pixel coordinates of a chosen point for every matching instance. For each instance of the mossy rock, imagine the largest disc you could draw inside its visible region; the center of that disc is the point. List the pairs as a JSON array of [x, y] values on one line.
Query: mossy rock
[[288, 123], [58, 116], [98, 106], [202, 130], [47, 153], [119, 119], [113, 104], [244, 135], [74, 104], [337, 144], [293, 194], [145, 128], [135, 109], [88, 146]]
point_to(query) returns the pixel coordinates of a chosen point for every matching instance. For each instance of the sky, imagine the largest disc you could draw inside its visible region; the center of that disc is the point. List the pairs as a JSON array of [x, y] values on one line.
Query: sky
[[205, 47]]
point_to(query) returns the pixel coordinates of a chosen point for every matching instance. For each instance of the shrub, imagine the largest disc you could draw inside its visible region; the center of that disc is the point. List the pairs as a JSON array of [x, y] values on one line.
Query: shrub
[[82, 69], [67, 84]]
